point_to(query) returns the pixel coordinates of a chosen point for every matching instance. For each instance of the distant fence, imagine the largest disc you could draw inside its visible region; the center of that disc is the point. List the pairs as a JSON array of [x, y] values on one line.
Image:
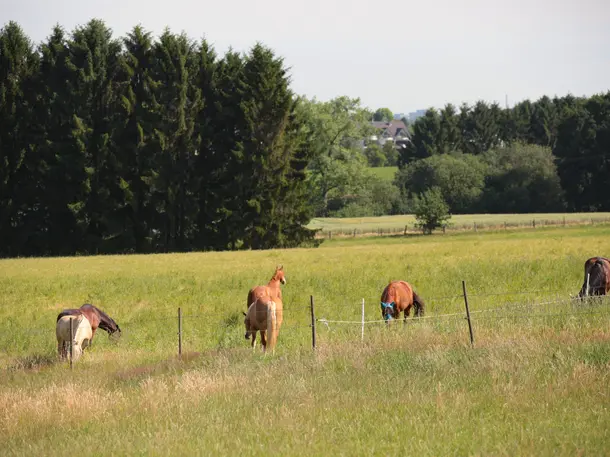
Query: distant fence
[[308, 330], [457, 227]]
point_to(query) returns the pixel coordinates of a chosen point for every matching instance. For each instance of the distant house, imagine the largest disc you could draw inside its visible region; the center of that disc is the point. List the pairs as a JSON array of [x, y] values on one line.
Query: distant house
[[395, 131]]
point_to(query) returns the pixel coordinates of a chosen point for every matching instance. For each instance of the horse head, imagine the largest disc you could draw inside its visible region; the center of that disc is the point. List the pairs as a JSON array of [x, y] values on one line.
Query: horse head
[[247, 324], [116, 334], [388, 310], [279, 274]]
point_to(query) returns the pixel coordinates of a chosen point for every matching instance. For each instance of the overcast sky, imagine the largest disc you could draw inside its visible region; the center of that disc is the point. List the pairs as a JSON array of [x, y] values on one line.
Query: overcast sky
[[404, 55]]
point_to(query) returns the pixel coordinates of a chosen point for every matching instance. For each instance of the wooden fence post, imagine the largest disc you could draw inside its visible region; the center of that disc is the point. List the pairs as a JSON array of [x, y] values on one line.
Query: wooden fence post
[[468, 313], [313, 324], [587, 289], [405, 229], [180, 332], [71, 339], [362, 335]]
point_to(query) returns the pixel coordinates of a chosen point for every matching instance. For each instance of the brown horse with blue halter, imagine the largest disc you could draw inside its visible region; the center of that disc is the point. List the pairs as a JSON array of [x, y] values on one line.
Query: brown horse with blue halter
[[397, 297], [96, 317]]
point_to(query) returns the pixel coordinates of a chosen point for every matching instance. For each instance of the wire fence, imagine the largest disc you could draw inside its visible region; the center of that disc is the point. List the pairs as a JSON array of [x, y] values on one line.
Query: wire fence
[[308, 325], [410, 229]]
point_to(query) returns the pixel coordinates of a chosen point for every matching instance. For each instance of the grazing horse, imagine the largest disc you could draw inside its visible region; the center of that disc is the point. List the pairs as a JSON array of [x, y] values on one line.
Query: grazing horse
[[272, 289], [96, 317], [81, 336], [598, 269], [264, 315], [399, 296]]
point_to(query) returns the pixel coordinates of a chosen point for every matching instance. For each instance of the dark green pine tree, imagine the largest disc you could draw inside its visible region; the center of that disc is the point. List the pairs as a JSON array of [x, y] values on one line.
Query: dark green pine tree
[[139, 114], [583, 142], [543, 123], [92, 63], [521, 125], [272, 156], [481, 128], [18, 65], [175, 138], [220, 219], [212, 131], [52, 133], [424, 140], [449, 138]]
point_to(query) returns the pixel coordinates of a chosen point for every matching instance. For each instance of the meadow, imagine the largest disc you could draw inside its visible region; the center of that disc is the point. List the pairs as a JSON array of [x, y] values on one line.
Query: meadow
[[385, 173], [535, 382], [459, 222]]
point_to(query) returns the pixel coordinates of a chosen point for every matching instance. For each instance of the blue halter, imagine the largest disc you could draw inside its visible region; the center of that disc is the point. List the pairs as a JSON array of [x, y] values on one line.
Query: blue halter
[[384, 306]]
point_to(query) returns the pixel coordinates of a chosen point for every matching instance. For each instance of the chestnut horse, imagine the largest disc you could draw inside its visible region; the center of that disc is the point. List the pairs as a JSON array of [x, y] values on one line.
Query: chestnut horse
[[81, 336], [96, 317], [598, 269], [272, 289], [399, 296], [264, 315]]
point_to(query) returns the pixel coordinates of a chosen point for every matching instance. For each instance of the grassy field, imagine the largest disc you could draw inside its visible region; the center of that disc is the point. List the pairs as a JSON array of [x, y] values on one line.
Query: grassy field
[[386, 173], [536, 382], [460, 222]]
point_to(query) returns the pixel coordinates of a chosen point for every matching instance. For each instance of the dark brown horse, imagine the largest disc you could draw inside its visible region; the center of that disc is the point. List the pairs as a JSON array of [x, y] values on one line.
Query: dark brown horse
[[598, 270], [399, 296], [272, 289], [96, 317]]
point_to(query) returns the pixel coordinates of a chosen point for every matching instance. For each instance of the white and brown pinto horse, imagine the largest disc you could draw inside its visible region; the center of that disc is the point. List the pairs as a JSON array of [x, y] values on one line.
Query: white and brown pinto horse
[[264, 315], [397, 297], [81, 336], [598, 271], [96, 317]]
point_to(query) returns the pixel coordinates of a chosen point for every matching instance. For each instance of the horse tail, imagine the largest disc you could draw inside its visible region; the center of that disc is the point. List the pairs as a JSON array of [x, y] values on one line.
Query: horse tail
[[420, 306], [271, 325]]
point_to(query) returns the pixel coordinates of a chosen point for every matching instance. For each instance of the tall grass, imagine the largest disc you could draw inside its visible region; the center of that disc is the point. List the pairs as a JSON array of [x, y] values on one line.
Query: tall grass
[[536, 381]]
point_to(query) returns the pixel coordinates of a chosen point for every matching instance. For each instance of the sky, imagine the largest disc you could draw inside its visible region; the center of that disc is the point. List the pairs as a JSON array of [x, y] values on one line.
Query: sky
[[404, 55]]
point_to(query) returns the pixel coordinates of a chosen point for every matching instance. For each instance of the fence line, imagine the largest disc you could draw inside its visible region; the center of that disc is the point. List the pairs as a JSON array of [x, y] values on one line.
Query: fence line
[[185, 332], [457, 227]]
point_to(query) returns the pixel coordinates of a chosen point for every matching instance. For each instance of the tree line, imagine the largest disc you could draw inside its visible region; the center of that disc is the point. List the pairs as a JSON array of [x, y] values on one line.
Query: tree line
[[143, 145], [154, 145], [543, 156]]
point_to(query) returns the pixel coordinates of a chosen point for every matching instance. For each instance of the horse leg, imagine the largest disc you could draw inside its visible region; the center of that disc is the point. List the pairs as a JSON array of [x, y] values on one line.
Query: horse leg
[[253, 344], [264, 340], [407, 312]]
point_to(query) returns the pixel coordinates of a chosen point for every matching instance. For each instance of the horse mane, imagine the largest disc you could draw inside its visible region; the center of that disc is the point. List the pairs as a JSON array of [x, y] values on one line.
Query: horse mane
[[277, 268], [389, 290], [419, 304], [104, 318]]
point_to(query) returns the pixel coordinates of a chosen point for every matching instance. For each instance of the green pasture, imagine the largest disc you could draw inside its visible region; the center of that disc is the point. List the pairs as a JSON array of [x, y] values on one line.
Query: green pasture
[[535, 382], [385, 173], [347, 225]]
